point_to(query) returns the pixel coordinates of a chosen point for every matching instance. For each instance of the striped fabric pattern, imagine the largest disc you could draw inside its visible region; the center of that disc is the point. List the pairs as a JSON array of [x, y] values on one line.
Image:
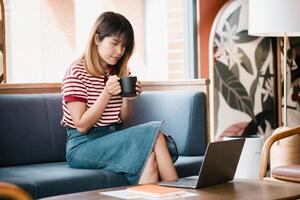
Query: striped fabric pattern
[[78, 85]]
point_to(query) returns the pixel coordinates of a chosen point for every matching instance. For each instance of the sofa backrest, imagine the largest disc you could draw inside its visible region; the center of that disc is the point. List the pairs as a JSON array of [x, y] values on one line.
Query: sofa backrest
[[184, 113], [30, 129], [31, 132]]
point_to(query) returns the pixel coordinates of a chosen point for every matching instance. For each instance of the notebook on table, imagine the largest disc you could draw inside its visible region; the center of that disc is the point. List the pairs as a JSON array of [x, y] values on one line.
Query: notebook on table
[[155, 190], [219, 165]]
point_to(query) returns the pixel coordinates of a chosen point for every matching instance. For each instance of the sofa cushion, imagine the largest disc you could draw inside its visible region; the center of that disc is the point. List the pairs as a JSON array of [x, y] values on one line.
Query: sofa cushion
[[184, 113], [57, 132], [26, 126], [42, 180], [287, 173]]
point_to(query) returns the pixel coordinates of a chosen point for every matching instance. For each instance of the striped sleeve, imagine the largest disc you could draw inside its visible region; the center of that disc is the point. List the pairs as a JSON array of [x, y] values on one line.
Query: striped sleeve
[[73, 89]]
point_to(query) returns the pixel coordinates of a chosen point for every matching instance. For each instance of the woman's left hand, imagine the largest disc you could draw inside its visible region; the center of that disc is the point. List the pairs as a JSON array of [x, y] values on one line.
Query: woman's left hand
[[138, 88]]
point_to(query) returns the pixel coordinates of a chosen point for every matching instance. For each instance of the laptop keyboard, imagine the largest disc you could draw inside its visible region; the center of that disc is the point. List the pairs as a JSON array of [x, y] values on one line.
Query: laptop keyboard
[[189, 182]]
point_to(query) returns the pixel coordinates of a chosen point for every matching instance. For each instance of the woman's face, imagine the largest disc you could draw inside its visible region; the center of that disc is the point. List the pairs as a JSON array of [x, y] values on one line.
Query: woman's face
[[111, 49]]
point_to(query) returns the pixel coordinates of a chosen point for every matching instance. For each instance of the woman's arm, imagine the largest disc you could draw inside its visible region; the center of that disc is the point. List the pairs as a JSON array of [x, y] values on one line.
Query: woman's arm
[[84, 118]]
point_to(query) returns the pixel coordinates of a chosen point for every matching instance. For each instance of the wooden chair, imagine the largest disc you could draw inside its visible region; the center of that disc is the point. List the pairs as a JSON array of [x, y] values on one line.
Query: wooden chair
[[289, 171], [13, 192]]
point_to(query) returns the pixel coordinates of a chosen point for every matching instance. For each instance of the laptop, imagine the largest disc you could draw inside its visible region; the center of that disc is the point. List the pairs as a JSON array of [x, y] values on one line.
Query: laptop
[[219, 165]]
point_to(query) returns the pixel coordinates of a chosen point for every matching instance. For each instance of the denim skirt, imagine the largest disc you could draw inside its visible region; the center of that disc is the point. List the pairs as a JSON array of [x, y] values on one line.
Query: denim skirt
[[122, 151]]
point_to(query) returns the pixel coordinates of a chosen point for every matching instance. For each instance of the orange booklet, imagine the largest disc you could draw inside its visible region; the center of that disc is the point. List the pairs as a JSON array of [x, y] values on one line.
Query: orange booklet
[[155, 190]]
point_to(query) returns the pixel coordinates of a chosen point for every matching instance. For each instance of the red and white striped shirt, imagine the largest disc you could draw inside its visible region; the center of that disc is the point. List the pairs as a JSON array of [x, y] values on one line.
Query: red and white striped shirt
[[78, 85]]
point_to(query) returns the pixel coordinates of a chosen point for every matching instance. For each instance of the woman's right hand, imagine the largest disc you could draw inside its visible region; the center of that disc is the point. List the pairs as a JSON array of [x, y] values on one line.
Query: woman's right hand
[[113, 86]]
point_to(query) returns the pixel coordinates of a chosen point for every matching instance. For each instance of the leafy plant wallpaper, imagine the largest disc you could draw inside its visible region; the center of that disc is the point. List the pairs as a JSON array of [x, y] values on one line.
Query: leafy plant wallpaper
[[242, 76]]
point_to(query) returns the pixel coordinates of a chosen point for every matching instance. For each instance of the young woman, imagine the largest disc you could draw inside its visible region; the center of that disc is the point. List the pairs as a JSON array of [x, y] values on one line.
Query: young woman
[[94, 110]]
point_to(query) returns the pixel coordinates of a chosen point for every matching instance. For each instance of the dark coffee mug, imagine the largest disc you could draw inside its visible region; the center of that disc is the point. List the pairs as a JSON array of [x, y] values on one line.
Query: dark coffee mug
[[128, 85]]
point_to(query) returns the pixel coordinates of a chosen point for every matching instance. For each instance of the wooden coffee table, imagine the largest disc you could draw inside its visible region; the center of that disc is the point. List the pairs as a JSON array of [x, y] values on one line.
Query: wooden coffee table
[[238, 189]]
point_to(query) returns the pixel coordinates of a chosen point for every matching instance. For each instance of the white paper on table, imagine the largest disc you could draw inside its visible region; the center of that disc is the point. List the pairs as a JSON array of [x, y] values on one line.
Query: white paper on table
[[185, 194], [124, 194]]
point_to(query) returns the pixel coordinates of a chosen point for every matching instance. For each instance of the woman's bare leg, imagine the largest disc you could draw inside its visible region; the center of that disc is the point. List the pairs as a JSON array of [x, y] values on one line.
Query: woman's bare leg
[[164, 161], [150, 173]]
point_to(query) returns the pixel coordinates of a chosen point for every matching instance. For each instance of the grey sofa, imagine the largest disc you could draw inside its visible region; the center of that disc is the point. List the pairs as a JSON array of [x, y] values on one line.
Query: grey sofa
[[32, 143]]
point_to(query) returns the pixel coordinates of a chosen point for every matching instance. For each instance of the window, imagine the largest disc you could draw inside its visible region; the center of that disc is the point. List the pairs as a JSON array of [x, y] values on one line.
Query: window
[[45, 37]]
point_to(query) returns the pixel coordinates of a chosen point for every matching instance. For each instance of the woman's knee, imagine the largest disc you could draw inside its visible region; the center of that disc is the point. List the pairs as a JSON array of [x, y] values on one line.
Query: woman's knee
[[160, 142], [160, 137]]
